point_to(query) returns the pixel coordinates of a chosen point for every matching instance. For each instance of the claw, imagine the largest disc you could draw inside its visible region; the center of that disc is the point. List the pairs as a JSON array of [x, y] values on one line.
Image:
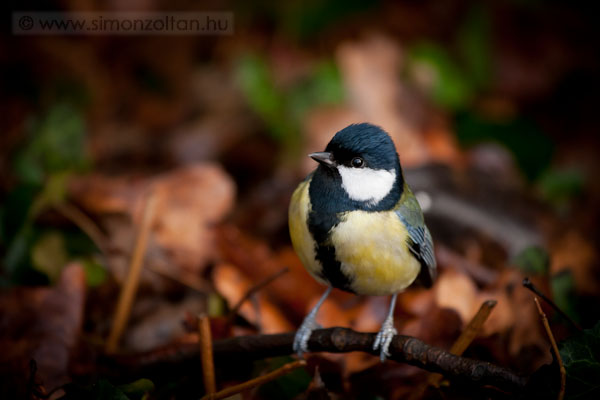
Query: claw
[[308, 326], [384, 338], [303, 334], [386, 333]]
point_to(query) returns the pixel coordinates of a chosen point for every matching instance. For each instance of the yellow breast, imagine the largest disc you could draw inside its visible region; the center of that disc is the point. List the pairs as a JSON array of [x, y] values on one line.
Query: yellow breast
[[372, 249], [302, 240]]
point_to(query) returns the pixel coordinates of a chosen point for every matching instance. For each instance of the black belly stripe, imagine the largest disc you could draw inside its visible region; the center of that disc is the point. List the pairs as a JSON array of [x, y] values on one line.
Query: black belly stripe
[[319, 225], [332, 268]]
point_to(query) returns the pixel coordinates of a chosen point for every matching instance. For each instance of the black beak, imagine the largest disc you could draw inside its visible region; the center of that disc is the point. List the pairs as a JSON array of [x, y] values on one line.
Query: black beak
[[324, 158]]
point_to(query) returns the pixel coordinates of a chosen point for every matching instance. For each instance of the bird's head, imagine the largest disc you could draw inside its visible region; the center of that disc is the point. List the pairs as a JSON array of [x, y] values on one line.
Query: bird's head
[[362, 159]]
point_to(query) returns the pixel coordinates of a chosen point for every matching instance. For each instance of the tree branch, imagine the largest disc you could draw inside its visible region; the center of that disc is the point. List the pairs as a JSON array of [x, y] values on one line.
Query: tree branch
[[405, 349]]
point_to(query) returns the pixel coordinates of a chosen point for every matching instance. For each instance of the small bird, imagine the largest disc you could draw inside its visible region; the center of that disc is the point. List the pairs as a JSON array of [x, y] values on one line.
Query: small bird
[[356, 226]]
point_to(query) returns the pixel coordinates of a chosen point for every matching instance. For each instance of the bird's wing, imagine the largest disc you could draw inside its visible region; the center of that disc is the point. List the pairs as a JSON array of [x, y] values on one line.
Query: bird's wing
[[420, 242]]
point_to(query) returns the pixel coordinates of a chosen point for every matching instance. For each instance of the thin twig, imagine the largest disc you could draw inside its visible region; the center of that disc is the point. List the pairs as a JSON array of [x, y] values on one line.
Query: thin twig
[[206, 352], [256, 288], [460, 345], [261, 380], [563, 372], [529, 285], [473, 328], [85, 223], [188, 280], [404, 349], [91, 229], [129, 289]]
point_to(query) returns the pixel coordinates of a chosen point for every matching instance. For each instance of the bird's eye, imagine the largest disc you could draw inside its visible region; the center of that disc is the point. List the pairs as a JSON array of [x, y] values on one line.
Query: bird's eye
[[358, 162]]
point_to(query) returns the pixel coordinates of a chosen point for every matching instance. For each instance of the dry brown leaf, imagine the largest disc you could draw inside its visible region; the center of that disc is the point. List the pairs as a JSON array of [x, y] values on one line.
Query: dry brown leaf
[[442, 144], [438, 327], [458, 292], [527, 331], [370, 70], [416, 301], [42, 324], [158, 322], [190, 201], [232, 284], [502, 316], [102, 194], [574, 252], [294, 290]]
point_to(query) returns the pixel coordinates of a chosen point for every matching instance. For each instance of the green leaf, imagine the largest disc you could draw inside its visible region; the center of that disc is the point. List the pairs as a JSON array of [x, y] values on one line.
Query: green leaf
[[101, 390], [56, 143], [562, 285], [137, 389], [17, 254], [581, 357], [518, 135], [49, 255], [433, 67], [104, 390], [559, 186], [533, 260], [17, 229], [262, 95], [16, 209], [308, 19], [54, 149], [287, 386], [95, 273], [53, 193], [216, 305], [323, 87], [474, 45], [283, 109]]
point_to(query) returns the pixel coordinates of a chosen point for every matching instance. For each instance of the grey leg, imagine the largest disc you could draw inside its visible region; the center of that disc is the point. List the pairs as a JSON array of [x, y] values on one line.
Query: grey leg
[[387, 332], [308, 326]]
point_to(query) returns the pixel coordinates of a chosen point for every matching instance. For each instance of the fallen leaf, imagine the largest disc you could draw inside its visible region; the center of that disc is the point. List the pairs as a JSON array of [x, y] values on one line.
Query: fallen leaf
[[528, 342], [233, 285], [573, 251], [581, 357], [189, 202], [370, 69], [102, 194], [502, 317], [458, 292], [441, 143], [42, 324], [416, 302], [438, 326], [293, 291], [158, 322]]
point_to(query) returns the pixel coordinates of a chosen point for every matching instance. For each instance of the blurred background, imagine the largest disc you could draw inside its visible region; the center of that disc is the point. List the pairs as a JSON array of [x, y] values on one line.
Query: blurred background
[[199, 141]]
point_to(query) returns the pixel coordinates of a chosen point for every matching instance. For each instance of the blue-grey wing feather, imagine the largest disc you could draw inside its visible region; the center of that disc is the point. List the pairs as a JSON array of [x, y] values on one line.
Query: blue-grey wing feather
[[420, 242]]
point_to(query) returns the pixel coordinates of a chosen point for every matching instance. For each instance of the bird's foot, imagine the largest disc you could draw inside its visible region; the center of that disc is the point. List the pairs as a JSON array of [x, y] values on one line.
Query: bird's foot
[[384, 338], [303, 334]]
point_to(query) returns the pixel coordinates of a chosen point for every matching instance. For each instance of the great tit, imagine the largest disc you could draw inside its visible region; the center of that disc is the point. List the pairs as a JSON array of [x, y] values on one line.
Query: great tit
[[356, 226]]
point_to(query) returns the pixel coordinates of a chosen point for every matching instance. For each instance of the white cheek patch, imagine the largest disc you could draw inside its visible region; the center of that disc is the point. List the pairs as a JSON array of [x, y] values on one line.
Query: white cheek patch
[[366, 184]]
